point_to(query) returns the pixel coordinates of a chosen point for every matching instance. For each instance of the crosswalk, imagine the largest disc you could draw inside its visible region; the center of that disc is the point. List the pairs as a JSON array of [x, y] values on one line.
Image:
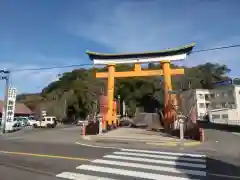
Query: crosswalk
[[136, 164]]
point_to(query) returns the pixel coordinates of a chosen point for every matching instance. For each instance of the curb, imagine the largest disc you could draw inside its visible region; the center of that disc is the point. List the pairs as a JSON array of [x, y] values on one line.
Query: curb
[[127, 139], [147, 142]]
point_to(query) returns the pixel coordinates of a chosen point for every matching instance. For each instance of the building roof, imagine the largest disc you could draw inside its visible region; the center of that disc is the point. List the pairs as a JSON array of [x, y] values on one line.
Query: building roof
[[20, 108], [168, 52]]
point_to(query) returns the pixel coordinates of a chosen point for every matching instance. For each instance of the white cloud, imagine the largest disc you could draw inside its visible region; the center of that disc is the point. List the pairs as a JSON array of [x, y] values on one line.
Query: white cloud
[[147, 25], [130, 27]]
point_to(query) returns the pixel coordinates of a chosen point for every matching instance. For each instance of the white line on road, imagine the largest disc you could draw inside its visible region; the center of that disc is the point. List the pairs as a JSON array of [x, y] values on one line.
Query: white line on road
[[176, 163], [180, 158], [151, 167], [164, 153], [94, 146], [78, 176], [130, 173]]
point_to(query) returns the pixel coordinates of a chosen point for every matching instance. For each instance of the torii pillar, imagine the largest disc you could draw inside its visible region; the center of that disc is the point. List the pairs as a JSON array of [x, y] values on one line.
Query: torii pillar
[[110, 94], [164, 57], [167, 86]]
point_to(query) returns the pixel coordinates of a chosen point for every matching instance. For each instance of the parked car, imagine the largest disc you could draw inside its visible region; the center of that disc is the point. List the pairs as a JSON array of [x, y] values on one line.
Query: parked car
[[16, 123], [47, 122], [32, 121], [23, 121]]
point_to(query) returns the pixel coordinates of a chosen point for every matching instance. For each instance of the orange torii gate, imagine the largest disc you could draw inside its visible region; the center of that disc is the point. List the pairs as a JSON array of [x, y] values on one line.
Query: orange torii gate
[[164, 57]]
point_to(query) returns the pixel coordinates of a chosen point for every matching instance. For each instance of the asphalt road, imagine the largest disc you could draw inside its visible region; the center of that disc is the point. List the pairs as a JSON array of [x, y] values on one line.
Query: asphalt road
[[43, 154], [43, 161]]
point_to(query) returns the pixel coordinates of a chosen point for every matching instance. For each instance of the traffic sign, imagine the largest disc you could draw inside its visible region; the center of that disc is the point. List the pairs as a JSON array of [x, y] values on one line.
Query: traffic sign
[[223, 82]]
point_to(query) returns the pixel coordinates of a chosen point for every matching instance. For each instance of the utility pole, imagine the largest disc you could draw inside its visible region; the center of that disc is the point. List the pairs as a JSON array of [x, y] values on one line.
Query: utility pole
[[5, 77]]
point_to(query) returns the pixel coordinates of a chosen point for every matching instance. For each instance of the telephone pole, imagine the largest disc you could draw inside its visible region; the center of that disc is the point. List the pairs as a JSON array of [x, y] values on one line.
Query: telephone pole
[[4, 75]]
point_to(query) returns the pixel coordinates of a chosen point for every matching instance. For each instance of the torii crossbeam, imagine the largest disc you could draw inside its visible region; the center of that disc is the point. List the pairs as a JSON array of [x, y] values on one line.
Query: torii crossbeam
[[164, 57]]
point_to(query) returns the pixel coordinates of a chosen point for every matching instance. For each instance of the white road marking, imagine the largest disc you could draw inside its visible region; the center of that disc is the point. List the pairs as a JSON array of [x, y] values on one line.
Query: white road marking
[[151, 167], [130, 173], [78, 176], [164, 153], [176, 163], [93, 146], [180, 158]]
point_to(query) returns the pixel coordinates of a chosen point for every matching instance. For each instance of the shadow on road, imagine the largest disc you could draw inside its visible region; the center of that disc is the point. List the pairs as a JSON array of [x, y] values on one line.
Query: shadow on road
[[221, 127], [222, 168]]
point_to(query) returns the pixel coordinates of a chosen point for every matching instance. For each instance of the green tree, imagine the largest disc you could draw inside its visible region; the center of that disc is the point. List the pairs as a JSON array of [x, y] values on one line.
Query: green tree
[[80, 89]]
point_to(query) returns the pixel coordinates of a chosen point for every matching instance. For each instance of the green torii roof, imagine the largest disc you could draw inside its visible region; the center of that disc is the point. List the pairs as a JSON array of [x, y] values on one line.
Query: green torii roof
[[168, 52]]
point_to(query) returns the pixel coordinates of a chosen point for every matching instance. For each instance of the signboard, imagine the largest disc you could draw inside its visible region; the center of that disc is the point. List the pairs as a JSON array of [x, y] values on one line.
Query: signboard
[[223, 83], [11, 103]]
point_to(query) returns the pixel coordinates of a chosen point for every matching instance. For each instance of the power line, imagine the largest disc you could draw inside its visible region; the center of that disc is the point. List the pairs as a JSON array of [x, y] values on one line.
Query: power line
[[217, 48], [49, 68], [82, 65]]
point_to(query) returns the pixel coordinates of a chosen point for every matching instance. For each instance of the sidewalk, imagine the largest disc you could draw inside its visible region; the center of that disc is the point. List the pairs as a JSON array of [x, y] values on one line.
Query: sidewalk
[[134, 135]]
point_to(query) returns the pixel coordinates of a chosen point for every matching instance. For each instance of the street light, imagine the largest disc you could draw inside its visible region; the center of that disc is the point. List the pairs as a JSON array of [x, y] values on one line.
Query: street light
[[4, 75]]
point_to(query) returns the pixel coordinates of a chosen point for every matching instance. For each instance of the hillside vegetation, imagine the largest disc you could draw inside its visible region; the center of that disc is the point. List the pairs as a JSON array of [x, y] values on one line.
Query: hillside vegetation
[[77, 92]]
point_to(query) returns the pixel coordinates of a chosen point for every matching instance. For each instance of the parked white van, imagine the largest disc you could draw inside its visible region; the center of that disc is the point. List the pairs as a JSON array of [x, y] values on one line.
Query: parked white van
[[46, 122]]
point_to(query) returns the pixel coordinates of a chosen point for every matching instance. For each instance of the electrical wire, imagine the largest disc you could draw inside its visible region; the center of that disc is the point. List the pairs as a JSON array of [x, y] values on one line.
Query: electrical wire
[[217, 48], [49, 68], [84, 65]]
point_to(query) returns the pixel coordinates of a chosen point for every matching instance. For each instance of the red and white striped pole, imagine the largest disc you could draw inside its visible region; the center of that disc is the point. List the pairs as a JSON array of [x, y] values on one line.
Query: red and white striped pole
[[83, 130], [202, 136]]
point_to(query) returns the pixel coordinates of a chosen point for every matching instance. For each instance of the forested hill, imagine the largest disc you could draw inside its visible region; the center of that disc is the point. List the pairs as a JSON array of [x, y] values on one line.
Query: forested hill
[[78, 91]]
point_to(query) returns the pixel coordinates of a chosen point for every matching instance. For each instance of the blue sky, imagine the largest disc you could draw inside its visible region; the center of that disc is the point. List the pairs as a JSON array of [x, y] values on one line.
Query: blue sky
[[39, 33]]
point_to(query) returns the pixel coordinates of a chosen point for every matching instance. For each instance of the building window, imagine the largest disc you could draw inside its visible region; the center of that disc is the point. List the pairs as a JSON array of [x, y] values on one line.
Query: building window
[[201, 105], [225, 94], [215, 116], [224, 105], [207, 105], [212, 95], [201, 96], [224, 116], [233, 106], [207, 97]]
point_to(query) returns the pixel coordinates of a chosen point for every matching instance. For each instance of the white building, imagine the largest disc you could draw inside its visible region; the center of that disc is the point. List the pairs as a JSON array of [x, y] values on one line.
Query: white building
[[222, 105]]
